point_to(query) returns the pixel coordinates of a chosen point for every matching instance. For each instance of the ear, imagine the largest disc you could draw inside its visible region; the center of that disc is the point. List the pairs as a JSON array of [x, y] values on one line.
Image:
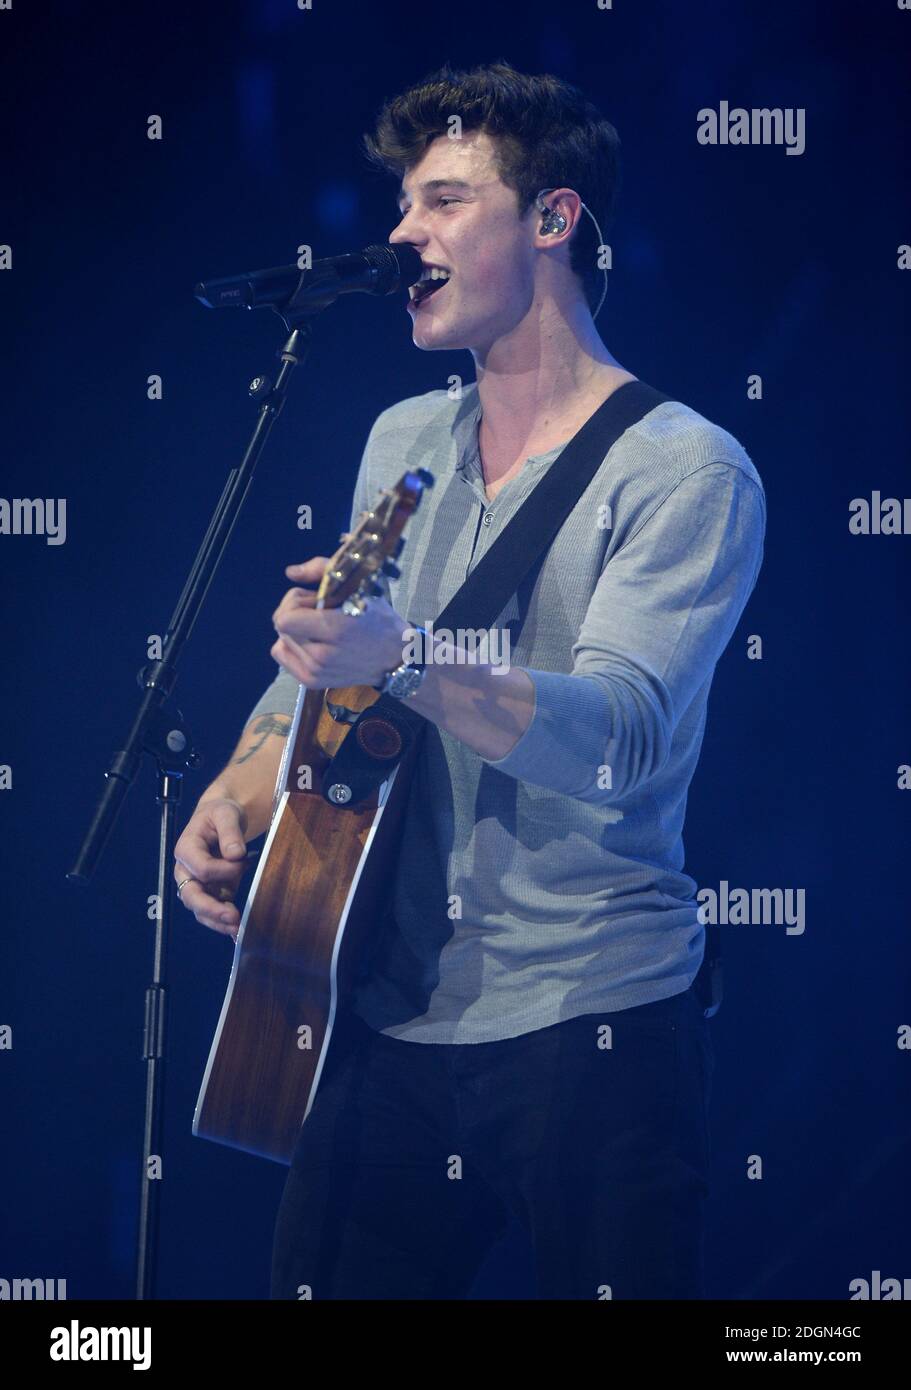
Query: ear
[[562, 201]]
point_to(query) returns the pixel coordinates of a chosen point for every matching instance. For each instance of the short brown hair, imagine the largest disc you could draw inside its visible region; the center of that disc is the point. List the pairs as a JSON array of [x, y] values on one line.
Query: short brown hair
[[547, 135]]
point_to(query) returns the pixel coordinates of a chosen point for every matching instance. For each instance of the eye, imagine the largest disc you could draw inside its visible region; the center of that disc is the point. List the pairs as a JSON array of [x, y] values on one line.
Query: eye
[[445, 201]]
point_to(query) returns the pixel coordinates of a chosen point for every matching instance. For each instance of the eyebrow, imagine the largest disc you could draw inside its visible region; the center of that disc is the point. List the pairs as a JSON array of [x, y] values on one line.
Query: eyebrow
[[431, 185]]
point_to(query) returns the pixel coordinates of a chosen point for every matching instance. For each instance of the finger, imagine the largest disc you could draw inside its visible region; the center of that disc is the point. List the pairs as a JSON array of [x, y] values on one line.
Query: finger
[[218, 916], [230, 836], [304, 620], [290, 656], [313, 655], [216, 871], [311, 569], [302, 598], [193, 852], [218, 888], [308, 623]]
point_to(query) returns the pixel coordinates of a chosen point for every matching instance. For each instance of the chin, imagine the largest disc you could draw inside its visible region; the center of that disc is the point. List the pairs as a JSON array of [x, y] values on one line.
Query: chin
[[435, 338], [431, 344], [437, 334]]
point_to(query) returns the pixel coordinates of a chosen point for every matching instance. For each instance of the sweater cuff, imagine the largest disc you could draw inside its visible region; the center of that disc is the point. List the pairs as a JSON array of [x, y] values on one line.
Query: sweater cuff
[[547, 753]]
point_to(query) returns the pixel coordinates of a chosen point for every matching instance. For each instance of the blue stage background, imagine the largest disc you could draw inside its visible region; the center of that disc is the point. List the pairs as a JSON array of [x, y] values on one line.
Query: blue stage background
[[728, 262]]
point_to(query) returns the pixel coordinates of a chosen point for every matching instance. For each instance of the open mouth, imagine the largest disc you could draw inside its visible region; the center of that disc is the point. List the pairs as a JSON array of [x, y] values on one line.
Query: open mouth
[[431, 282]]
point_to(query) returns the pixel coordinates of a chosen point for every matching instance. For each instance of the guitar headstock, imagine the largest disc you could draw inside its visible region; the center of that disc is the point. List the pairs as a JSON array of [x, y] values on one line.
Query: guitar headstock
[[375, 542]]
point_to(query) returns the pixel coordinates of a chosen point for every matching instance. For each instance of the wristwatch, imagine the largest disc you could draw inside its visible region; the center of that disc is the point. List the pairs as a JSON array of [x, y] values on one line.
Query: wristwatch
[[407, 679]]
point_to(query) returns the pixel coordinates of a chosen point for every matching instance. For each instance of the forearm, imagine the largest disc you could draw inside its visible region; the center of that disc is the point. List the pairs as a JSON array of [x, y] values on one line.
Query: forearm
[[250, 776], [588, 737], [486, 707]]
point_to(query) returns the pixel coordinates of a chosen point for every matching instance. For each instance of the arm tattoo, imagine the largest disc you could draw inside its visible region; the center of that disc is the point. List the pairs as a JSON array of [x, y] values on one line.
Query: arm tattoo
[[266, 725]]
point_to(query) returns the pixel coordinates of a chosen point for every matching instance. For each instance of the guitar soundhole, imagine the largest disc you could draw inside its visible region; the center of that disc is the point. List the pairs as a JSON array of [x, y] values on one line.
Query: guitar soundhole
[[379, 738]]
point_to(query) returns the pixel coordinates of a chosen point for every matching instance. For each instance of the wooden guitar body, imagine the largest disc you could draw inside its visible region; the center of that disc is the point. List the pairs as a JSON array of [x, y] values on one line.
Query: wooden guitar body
[[320, 892]]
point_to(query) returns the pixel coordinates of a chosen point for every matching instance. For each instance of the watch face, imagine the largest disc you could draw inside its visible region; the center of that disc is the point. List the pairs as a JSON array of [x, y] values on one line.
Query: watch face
[[405, 682]]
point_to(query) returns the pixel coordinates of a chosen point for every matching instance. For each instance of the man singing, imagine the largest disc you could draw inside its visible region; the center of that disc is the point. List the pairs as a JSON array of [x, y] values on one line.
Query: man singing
[[527, 1044]]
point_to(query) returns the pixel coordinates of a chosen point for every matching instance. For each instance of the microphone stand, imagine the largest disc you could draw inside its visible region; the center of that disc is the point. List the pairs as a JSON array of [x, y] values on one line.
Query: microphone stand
[[160, 731]]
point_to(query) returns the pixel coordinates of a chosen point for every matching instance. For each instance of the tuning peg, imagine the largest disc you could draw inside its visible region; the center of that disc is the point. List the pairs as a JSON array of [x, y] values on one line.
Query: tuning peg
[[399, 547], [391, 570], [426, 477]]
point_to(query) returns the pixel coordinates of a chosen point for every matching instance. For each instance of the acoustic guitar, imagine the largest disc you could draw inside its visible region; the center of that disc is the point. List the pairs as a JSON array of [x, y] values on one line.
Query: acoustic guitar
[[321, 886]]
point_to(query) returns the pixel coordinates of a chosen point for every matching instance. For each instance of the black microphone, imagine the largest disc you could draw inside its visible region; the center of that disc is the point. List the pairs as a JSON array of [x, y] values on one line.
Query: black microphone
[[375, 270]]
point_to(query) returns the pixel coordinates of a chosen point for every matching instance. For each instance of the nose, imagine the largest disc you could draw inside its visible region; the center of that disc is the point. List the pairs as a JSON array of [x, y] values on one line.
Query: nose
[[407, 232]]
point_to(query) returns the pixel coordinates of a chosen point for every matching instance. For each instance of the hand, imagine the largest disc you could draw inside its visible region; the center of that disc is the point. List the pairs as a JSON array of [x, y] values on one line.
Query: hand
[[326, 648], [213, 850]]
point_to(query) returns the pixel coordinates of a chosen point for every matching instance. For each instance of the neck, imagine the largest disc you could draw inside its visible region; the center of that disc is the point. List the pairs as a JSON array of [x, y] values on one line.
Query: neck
[[551, 371]]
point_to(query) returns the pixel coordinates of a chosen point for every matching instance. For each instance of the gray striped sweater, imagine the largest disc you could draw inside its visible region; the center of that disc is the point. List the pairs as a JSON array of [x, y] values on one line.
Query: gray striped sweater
[[550, 882]]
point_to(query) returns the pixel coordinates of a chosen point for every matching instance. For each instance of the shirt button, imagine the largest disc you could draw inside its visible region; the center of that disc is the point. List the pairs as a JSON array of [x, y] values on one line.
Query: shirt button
[[488, 518]]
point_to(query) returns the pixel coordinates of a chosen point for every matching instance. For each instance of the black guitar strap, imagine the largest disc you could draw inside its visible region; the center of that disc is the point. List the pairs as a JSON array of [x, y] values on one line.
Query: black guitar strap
[[384, 733]]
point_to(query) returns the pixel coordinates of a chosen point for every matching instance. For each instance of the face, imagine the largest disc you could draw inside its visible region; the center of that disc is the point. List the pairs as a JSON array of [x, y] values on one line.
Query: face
[[463, 219]]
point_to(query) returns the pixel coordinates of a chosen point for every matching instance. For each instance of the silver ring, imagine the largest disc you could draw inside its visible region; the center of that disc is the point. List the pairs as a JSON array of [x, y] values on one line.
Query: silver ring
[[183, 884]]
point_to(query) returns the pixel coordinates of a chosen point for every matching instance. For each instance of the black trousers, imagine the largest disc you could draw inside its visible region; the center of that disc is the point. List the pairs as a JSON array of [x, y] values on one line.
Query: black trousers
[[416, 1156]]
